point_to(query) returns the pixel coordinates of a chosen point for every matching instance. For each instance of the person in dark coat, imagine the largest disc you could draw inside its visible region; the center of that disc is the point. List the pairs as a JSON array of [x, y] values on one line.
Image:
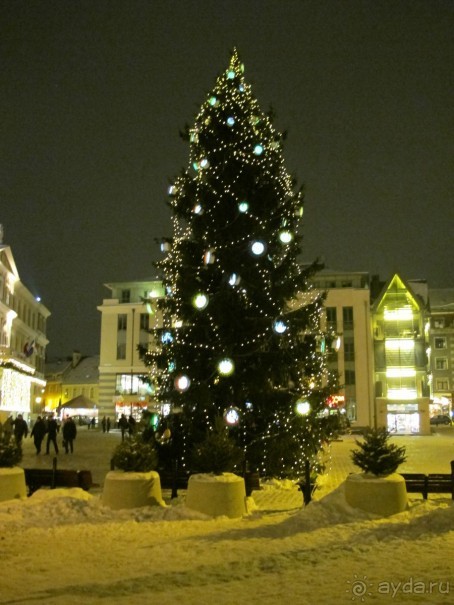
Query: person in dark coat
[[123, 425], [52, 430], [20, 429], [38, 432], [69, 434]]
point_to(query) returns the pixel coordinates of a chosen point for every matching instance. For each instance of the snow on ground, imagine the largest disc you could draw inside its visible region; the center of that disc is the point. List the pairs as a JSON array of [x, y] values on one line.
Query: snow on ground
[[64, 547]]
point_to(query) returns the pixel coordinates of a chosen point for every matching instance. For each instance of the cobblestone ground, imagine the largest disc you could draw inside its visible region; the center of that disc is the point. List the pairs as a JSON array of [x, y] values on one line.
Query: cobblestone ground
[[93, 451]]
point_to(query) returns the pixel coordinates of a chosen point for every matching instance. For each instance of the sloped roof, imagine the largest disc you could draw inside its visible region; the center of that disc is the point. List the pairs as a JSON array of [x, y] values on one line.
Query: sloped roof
[[85, 372], [441, 299], [79, 402]]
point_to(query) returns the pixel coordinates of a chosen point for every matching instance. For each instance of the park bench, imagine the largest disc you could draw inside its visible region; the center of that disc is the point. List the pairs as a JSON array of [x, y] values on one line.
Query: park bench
[[35, 478], [432, 483]]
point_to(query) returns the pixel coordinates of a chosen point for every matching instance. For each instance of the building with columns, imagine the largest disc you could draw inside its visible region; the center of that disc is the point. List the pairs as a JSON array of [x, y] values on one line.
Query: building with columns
[[22, 342]]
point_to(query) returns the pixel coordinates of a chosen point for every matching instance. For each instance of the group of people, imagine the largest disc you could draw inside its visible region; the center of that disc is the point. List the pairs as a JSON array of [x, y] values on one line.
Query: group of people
[[42, 427], [105, 423], [126, 425]]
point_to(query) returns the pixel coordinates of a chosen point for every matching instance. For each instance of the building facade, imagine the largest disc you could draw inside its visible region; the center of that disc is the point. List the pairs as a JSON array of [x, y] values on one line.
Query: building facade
[[400, 324], [72, 382], [347, 315], [126, 318], [441, 303], [22, 342]]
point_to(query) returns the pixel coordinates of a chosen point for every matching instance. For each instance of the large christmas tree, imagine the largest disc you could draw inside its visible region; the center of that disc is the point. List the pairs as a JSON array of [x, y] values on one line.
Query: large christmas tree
[[240, 336]]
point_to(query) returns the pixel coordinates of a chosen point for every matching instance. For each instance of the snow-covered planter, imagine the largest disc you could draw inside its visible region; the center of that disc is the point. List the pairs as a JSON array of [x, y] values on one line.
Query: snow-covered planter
[[217, 495], [379, 495], [12, 483], [132, 489]]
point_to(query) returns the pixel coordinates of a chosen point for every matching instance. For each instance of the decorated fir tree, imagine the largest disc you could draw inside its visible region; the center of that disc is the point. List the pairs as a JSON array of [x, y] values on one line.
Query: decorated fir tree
[[240, 338]]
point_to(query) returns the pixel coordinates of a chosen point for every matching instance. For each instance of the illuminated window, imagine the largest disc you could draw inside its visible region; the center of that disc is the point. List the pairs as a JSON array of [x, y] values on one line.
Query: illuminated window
[[439, 342], [439, 322]]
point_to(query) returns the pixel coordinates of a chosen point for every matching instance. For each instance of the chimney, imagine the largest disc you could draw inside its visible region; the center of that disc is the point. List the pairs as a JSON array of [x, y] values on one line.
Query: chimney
[[76, 358]]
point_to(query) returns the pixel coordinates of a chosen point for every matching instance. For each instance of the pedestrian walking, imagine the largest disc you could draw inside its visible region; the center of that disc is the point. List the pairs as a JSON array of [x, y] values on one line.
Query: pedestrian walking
[[38, 433], [20, 429], [104, 424], [123, 425], [69, 434], [131, 425], [108, 424], [52, 430]]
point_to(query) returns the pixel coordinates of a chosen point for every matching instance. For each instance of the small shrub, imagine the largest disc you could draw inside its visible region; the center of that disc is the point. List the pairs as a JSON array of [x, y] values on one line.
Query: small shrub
[[135, 455], [10, 452], [217, 453], [376, 455]]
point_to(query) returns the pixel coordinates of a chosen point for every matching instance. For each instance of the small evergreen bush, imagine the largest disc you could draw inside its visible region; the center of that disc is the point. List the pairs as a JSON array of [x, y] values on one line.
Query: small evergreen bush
[[135, 455], [218, 453], [10, 452], [376, 455]]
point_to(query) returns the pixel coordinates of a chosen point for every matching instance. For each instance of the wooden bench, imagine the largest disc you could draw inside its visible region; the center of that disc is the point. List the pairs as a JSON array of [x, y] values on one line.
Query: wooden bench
[[35, 478], [432, 483]]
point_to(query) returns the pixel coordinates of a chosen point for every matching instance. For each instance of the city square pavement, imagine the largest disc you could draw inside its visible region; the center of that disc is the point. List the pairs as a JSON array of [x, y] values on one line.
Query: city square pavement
[[93, 451]]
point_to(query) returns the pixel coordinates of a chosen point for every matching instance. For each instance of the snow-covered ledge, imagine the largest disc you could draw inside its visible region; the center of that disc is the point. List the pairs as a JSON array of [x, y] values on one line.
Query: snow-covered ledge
[[217, 495], [379, 495], [131, 490], [12, 483]]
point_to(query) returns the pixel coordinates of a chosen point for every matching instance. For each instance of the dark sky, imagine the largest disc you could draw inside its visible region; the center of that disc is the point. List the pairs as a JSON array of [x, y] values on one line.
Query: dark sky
[[93, 95]]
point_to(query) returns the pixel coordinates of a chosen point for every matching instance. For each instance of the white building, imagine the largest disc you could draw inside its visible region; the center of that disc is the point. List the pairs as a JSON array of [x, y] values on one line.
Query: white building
[[126, 318], [22, 342], [347, 314]]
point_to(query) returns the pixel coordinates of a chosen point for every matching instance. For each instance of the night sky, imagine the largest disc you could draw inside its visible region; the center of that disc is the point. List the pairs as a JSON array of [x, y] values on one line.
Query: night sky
[[94, 93]]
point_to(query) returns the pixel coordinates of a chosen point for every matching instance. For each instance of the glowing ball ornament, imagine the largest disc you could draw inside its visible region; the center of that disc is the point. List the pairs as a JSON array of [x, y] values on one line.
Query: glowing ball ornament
[[258, 248], [197, 209], [204, 163], [172, 190], [243, 207], [226, 367], [166, 338], [230, 121], [230, 74], [258, 150], [234, 279], [200, 301], [279, 326], [232, 416], [303, 407], [285, 237], [182, 383], [213, 101]]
